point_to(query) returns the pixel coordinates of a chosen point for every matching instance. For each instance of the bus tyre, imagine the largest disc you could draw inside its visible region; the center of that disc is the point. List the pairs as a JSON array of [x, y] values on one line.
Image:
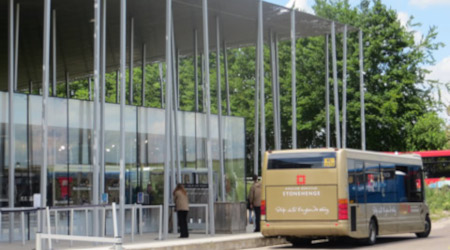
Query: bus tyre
[[427, 230], [372, 239]]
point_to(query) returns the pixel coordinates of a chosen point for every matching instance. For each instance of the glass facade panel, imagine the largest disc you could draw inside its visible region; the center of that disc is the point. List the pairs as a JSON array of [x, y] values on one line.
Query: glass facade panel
[[3, 149], [77, 179], [70, 138]]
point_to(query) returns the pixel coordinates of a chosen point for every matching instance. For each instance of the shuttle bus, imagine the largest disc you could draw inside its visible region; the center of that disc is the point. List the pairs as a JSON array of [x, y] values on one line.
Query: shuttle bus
[[331, 193]]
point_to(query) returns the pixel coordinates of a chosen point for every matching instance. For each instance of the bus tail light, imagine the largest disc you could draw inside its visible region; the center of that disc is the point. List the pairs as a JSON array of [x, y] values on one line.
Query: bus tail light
[[263, 207], [343, 209]]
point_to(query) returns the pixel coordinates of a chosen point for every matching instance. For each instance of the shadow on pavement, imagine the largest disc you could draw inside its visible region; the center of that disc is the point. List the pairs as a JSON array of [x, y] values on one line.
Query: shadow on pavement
[[347, 243]]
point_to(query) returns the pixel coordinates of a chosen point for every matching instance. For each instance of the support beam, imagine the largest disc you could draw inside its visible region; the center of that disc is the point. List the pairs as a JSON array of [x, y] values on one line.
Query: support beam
[[167, 118], [274, 91], [362, 91], [54, 53], [103, 100], [16, 46], [277, 89], [335, 83], [123, 44], [161, 84], [212, 229], [327, 91], [176, 103], [11, 128], [227, 84], [45, 84], [96, 129], [219, 110], [196, 73], [117, 86], [256, 135], [144, 64], [196, 91], [261, 79], [66, 78], [293, 83], [131, 69], [344, 89]]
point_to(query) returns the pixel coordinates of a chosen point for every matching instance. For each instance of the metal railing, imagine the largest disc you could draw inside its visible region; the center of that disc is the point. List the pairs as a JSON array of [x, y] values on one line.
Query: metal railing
[[70, 211], [22, 212], [40, 237]]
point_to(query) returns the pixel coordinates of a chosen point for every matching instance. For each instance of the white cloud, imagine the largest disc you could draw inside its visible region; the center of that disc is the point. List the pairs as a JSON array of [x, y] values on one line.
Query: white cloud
[[301, 5], [427, 3], [403, 18]]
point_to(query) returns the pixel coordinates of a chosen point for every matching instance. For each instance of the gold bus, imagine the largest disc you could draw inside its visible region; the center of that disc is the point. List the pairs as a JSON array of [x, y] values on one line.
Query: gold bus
[[329, 193]]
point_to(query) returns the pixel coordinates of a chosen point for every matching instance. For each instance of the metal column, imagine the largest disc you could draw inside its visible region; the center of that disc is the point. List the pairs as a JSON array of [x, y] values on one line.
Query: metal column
[[16, 46], [277, 91], [227, 84], [167, 105], [161, 83], [335, 81], [95, 147], [131, 70], [362, 91], [196, 76], [212, 228], [175, 108], [196, 90], [344, 90], [11, 128], [256, 135], [293, 83], [123, 44], [327, 92], [219, 109], [117, 86], [54, 53], [45, 84], [261, 78], [274, 91], [102, 99], [144, 53]]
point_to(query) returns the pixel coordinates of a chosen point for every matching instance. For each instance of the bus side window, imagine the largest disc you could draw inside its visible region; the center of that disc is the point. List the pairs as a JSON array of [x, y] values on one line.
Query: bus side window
[[356, 181], [409, 183]]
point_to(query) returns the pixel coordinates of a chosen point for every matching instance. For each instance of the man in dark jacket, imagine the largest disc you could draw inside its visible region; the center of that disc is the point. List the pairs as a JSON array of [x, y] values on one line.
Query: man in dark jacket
[[254, 198]]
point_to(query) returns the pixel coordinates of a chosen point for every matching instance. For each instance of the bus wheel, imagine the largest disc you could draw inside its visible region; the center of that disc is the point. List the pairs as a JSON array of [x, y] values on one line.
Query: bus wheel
[[372, 233], [427, 230]]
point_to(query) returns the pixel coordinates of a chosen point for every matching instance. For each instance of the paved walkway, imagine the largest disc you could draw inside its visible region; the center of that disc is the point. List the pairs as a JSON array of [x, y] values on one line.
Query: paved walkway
[[196, 241]]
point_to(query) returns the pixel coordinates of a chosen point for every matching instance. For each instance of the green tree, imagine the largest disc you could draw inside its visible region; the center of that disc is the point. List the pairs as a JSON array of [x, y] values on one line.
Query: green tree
[[427, 133]]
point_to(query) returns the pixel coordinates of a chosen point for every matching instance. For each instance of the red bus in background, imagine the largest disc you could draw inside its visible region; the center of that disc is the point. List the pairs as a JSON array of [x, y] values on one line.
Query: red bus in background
[[436, 164]]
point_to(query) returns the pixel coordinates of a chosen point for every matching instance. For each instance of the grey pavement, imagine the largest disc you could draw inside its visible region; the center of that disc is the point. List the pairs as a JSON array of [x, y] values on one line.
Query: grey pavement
[[197, 240]]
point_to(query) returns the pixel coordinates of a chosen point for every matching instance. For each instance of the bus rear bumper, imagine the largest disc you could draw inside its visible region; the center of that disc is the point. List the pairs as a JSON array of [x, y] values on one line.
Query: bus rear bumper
[[305, 229]]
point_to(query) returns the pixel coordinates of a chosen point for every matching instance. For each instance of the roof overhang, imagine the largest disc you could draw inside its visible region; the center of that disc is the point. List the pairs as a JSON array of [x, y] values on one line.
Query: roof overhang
[[75, 23]]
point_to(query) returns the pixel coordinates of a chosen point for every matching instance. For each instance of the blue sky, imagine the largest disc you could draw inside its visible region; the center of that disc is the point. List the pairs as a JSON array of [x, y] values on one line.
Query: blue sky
[[428, 13]]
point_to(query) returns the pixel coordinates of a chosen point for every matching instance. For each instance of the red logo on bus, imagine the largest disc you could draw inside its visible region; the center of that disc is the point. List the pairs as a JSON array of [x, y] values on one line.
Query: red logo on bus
[[301, 180]]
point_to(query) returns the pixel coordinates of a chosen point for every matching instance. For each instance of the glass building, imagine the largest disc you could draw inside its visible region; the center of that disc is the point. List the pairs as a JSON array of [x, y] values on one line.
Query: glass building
[[83, 122]]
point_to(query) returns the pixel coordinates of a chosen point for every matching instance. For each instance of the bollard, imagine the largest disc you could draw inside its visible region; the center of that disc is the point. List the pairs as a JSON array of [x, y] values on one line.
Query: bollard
[[71, 225], [49, 229], [133, 219], [22, 224]]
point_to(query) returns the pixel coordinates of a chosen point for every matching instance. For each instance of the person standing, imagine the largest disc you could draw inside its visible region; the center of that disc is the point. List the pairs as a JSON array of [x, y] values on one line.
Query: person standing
[[254, 198], [182, 207]]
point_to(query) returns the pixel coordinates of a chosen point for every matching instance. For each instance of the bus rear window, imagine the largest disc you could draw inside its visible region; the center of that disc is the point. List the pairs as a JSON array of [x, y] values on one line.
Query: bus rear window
[[302, 160]]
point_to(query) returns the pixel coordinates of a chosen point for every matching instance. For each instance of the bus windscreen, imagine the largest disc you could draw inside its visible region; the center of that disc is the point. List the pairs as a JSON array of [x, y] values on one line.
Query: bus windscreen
[[302, 160]]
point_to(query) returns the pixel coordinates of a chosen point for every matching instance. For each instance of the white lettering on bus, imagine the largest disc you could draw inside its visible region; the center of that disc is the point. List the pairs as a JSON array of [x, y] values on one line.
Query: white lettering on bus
[[302, 210], [301, 193]]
